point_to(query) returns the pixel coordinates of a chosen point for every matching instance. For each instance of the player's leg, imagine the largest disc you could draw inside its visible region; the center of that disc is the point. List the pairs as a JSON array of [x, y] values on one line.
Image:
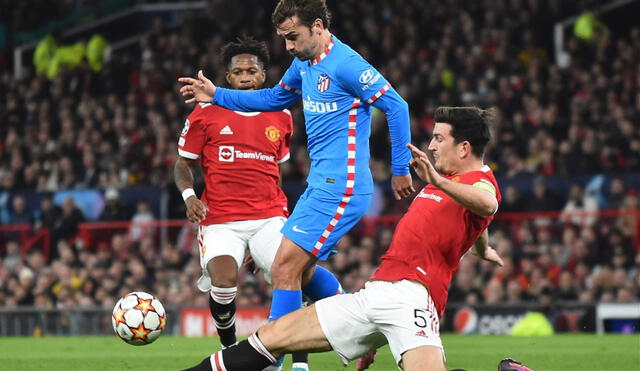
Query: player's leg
[[334, 323], [406, 315], [223, 271], [422, 359], [221, 254], [286, 274], [318, 222], [319, 283], [263, 246], [299, 330]]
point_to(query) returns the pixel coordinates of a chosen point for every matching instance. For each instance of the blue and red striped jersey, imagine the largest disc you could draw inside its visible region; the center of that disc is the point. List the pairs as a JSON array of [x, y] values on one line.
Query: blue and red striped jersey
[[338, 90]]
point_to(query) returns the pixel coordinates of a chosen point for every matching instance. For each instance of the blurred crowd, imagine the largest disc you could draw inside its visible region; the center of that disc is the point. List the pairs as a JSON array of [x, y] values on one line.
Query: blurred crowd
[[118, 128]]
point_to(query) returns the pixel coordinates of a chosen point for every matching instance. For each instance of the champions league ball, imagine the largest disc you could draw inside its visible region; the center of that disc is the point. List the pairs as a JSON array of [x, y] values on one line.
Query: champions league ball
[[138, 318]]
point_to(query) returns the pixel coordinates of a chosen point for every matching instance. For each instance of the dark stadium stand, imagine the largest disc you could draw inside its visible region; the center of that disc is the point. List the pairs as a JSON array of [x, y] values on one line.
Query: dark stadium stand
[[566, 154]]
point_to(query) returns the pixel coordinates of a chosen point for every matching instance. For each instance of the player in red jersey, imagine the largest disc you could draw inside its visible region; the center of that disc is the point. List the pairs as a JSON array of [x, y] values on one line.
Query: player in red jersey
[[402, 303], [242, 206]]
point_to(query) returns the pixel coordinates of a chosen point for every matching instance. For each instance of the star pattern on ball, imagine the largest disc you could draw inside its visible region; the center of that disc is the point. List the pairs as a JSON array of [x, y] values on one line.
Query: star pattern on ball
[[140, 333], [163, 322], [145, 305], [118, 316]]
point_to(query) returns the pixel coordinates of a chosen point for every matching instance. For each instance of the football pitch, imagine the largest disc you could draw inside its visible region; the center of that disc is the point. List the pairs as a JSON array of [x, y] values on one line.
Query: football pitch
[[559, 353]]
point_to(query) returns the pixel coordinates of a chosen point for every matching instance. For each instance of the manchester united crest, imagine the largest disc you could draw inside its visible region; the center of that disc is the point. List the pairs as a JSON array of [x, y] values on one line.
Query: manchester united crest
[[272, 133], [323, 83]]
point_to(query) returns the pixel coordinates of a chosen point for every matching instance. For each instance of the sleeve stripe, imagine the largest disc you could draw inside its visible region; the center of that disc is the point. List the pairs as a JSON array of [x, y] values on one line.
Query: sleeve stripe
[[487, 187], [379, 93], [188, 155], [285, 158], [288, 88]]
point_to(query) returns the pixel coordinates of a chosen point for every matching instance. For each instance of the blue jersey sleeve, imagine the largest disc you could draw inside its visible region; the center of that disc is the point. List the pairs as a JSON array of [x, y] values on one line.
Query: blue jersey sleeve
[[397, 111], [362, 80], [281, 96]]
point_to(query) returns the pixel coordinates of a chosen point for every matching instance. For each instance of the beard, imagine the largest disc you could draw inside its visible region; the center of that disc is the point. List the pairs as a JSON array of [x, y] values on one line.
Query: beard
[[303, 56]]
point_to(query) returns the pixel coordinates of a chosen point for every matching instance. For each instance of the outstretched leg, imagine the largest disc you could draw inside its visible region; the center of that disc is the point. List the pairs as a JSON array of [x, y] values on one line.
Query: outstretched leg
[[297, 331]]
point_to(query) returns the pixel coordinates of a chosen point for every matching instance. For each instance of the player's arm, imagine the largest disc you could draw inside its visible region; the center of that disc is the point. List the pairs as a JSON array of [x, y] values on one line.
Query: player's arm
[[397, 111], [482, 249], [281, 96], [183, 177], [478, 199], [363, 81]]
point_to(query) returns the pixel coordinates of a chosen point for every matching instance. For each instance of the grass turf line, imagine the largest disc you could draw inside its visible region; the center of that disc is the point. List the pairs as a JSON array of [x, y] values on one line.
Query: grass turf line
[[474, 353]]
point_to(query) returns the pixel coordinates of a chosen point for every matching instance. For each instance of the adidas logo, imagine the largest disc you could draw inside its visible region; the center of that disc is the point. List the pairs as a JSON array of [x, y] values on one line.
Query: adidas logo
[[422, 333], [226, 131]]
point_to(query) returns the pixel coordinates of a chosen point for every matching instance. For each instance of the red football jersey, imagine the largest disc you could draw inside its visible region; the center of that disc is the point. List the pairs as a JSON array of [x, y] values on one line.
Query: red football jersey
[[240, 153], [433, 235]]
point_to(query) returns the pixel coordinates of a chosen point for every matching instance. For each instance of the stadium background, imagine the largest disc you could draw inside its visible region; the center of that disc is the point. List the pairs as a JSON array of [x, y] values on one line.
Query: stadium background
[[88, 208]]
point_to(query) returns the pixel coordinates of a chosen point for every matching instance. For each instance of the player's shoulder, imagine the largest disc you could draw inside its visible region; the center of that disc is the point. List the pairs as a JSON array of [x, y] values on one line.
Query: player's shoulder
[[208, 112], [283, 118], [202, 109], [344, 52], [482, 178]]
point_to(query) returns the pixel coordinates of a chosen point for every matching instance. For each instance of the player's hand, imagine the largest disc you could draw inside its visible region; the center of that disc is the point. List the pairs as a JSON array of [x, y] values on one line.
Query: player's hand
[[402, 186], [423, 167], [200, 89], [490, 255], [250, 264], [196, 209]]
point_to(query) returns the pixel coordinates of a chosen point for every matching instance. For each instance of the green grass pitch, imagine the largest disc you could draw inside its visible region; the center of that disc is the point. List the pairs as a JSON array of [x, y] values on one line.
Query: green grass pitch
[[558, 353]]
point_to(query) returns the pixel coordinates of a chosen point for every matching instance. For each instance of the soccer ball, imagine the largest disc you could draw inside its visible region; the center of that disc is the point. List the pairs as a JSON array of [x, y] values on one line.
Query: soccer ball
[[138, 318]]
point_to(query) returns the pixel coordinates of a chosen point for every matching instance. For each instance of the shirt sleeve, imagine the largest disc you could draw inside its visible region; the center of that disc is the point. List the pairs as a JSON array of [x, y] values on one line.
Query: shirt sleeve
[[397, 111], [361, 79], [285, 144], [486, 183], [193, 135], [277, 98]]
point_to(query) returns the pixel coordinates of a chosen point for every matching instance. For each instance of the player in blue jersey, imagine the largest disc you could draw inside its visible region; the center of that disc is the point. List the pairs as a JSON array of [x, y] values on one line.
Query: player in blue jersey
[[338, 88]]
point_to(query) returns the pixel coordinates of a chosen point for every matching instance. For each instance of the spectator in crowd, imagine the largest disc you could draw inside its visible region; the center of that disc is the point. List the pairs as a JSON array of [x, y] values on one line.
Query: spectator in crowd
[[117, 128], [114, 210], [20, 214], [578, 202], [50, 214], [140, 221], [71, 217]]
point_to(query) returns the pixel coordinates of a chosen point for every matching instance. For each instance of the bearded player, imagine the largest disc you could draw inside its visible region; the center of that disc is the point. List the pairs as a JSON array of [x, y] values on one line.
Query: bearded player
[[405, 298], [338, 89]]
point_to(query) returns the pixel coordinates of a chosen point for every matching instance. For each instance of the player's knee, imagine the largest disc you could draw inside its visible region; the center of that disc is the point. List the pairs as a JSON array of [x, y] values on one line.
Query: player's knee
[[222, 277], [285, 273]]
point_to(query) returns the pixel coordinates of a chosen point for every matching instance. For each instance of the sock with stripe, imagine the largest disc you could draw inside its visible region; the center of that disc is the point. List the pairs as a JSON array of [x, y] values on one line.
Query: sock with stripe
[[248, 354], [223, 309], [322, 285]]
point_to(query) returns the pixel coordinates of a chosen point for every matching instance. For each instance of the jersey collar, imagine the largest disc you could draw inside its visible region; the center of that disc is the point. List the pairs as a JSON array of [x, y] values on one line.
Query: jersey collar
[[324, 54]]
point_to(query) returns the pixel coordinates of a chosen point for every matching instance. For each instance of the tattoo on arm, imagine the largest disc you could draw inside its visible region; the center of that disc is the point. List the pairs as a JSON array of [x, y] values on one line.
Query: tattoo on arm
[[182, 173]]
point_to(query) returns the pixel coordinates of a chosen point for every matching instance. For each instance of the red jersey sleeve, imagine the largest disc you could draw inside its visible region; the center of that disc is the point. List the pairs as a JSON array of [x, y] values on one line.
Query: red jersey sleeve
[[193, 135], [484, 180], [285, 143]]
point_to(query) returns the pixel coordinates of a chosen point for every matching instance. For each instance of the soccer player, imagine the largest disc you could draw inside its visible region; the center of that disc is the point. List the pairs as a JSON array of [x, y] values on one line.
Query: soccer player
[[338, 88], [242, 206], [403, 301]]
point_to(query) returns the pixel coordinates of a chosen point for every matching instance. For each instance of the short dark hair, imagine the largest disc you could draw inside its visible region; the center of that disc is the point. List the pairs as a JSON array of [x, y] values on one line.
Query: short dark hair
[[246, 45], [468, 123], [307, 10]]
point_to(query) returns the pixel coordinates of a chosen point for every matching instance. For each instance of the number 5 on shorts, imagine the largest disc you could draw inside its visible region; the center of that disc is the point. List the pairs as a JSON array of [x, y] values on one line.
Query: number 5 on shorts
[[420, 321]]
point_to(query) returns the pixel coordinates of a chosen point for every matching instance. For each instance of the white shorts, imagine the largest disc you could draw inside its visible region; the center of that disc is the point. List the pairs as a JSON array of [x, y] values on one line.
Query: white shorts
[[262, 237], [401, 314]]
